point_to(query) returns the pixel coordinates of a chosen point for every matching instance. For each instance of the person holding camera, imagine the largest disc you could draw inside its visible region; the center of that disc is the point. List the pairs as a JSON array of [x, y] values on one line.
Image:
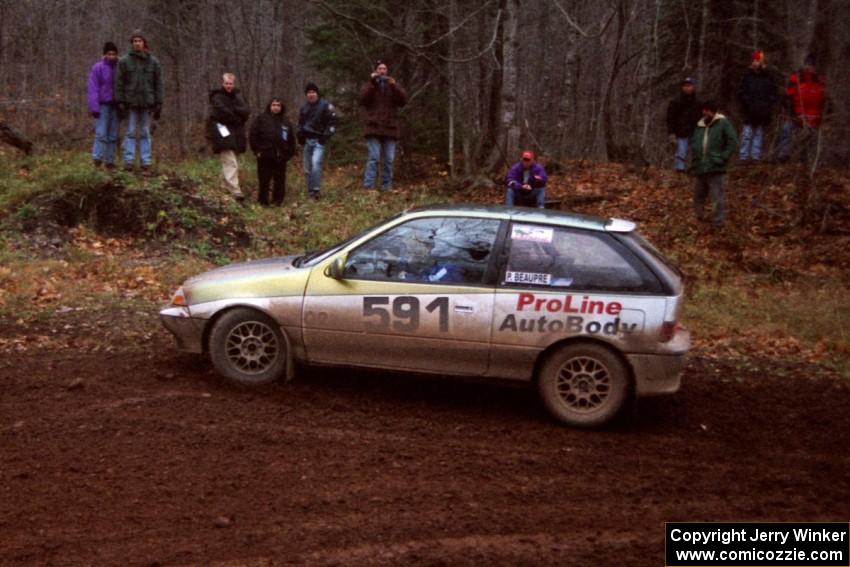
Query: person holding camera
[[526, 181], [380, 99]]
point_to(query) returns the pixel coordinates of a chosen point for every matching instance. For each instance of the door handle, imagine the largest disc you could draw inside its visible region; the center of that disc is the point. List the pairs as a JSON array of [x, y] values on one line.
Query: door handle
[[464, 308]]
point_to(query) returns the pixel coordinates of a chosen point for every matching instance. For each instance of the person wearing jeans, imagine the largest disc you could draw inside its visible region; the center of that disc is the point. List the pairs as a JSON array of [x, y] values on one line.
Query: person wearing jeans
[[317, 122], [381, 97], [138, 120], [314, 153], [526, 182], [101, 101], [138, 94], [683, 113], [805, 98], [381, 149], [757, 94]]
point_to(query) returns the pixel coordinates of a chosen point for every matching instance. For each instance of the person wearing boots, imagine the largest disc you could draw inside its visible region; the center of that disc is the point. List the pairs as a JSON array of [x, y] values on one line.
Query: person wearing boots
[[712, 145], [272, 140]]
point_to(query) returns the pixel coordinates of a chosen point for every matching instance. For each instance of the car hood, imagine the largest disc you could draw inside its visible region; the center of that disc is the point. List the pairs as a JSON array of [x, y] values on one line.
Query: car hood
[[272, 277]]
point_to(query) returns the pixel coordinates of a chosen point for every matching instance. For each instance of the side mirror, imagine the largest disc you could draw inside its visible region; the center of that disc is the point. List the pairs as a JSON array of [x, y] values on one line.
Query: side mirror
[[336, 269]]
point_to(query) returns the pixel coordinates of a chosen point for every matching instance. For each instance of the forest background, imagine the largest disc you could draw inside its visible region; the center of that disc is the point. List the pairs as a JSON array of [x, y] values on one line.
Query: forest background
[[567, 78]]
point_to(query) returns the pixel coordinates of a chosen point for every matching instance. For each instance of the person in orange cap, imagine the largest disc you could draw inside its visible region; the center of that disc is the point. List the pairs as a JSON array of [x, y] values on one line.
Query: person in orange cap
[[757, 95]]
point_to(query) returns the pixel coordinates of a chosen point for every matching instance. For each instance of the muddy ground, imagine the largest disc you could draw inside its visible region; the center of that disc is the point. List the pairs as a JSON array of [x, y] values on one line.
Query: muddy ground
[[117, 450]]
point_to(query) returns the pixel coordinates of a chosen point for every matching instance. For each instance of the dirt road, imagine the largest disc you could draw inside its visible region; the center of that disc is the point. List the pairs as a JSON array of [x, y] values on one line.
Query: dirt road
[[138, 455]]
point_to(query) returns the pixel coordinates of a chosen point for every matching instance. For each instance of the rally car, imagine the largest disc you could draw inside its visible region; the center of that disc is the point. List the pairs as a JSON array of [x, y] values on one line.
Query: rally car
[[584, 308]]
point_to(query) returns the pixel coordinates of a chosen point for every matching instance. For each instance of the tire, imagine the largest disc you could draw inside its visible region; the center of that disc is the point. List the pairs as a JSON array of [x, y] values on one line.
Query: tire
[[248, 347], [583, 385]]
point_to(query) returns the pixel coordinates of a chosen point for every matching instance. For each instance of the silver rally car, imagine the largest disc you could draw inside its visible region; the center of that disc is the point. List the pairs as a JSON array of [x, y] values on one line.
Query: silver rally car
[[582, 307]]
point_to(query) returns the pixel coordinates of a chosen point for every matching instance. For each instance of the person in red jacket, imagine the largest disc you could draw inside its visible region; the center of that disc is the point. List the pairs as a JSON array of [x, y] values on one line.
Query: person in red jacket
[[805, 98]]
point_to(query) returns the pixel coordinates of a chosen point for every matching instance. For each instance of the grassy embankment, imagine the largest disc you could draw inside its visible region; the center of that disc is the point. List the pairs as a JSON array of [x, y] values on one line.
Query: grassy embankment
[[72, 237]]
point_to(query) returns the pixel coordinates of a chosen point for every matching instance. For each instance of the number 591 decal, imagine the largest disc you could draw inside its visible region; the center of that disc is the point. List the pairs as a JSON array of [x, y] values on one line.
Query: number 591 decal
[[405, 315]]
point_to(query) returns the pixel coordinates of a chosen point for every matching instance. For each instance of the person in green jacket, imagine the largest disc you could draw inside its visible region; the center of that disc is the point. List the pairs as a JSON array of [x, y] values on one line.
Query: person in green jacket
[[138, 95], [712, 144]]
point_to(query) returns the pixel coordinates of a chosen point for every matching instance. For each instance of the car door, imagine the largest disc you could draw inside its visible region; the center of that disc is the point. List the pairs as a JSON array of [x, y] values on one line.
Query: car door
[[418, 296], [559, 282]]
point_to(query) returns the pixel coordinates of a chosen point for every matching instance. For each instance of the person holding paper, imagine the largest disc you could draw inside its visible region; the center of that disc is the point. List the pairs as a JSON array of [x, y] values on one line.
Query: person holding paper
[[226, 130]]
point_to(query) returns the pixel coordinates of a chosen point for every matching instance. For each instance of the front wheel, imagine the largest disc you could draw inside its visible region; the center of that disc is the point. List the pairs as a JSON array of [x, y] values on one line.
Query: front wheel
[[584, 385], [248, 347]]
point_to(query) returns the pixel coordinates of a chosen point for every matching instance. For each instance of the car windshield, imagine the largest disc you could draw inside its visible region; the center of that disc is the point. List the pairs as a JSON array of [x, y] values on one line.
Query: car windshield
[[311, 258]]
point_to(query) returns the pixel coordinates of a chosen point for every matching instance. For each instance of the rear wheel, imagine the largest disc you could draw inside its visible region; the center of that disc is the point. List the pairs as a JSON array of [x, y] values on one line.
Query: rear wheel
[[248, 347], [584, 385]]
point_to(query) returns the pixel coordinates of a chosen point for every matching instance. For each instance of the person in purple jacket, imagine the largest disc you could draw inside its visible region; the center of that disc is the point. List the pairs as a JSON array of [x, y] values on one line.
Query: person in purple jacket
[[102, 107], [526, 183]]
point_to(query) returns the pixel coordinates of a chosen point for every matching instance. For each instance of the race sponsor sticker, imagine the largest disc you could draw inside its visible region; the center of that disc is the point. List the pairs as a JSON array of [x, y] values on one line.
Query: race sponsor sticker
[[532, 233], [528, 278]]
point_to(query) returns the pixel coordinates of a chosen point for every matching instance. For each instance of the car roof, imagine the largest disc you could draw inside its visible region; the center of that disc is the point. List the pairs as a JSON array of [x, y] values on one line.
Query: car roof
[[521, 214]]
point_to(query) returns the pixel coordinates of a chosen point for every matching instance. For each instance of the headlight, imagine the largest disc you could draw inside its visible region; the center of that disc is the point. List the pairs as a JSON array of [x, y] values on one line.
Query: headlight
[[179, 298]]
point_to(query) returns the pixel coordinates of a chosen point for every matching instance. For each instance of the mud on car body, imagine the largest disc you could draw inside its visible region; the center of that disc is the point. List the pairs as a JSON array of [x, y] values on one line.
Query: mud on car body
[[582, 307]]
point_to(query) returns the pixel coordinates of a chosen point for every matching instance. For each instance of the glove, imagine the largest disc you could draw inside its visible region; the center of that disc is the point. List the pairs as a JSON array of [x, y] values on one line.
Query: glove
[[157, 111], [95, 114]]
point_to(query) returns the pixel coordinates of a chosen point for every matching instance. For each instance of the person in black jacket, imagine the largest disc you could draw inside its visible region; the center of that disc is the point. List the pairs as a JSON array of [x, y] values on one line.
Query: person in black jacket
[[683, 113], [226, 130], [316, 124], [757, 94], [272, 139]]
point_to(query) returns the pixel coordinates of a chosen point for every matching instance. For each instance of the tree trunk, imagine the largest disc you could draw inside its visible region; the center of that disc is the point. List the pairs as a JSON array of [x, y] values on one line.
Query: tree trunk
[[507, 133], [701, 54], [801, 22]]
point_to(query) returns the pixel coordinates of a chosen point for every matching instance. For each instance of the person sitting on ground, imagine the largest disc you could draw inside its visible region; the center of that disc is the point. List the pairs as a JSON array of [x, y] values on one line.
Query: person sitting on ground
[[526, 181]]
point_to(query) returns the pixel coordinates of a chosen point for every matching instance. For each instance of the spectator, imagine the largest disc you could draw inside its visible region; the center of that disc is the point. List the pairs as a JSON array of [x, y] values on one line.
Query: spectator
[[317, 122], [101, 99], [683, 113], [757, 95], [805, 98], [226, 130], [381, 98], [272, 139], [712, 145], [526, 181], [138, 90]]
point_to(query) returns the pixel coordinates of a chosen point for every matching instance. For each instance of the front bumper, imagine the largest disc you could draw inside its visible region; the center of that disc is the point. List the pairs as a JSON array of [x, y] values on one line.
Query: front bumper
[[189, 332]]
